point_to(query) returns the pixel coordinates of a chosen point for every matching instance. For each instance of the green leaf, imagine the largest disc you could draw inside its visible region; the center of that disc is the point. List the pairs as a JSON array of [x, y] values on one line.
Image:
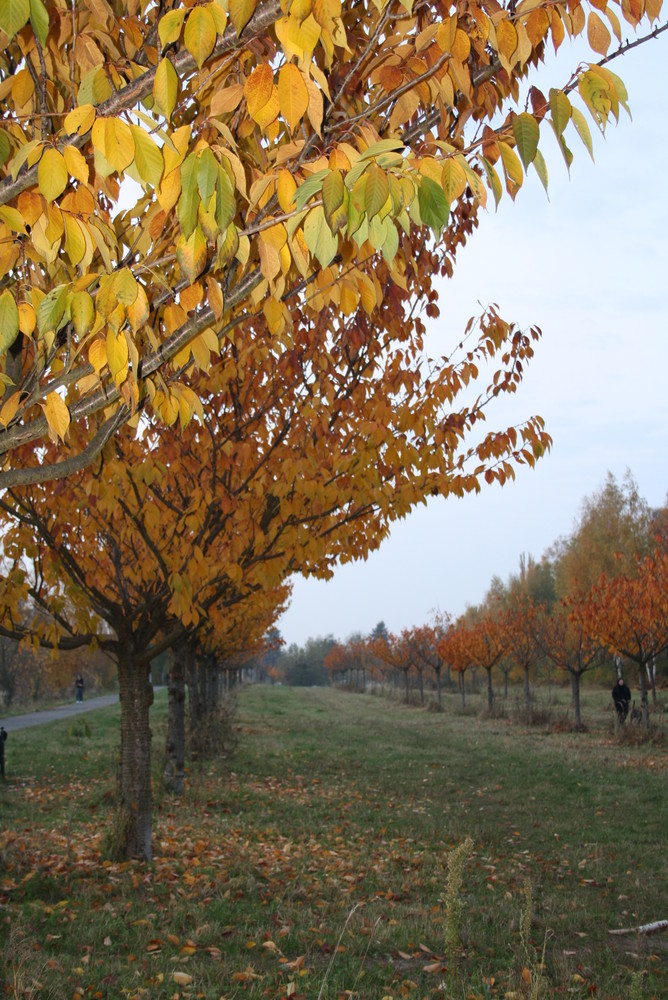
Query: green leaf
[[311, 186], [9, 321], [13, 15], [226, 206], [207, 175], [148, 157], [5, 148], [51, 309], [540, 167], [580, 123], [333, 190], [376, 191], [434, 207], [561, 110], [383, 146], [565, 151], [165, 88], [493, 180], [200, 34], [319, 238], [39, 18], [188, 203], [512, 168], [391, 244], [527, 134]]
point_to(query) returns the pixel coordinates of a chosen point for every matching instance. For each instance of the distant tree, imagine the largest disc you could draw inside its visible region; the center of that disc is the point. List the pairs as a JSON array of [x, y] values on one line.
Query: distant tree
[[612, 531], [568, 643]]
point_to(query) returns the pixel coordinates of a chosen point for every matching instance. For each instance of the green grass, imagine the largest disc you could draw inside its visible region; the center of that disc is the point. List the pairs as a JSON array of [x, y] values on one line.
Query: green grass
[[314, 864]]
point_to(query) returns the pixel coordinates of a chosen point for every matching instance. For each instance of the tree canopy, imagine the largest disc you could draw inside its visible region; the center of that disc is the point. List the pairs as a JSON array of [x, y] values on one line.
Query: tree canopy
[[170, 173]]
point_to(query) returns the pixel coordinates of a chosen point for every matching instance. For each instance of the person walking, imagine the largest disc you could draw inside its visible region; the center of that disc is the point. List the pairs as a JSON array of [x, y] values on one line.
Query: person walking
[[621, 696], [79, 689]]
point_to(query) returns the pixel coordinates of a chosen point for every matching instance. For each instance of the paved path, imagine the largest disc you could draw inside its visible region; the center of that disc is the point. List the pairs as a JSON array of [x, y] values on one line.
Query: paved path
[[62, 712]]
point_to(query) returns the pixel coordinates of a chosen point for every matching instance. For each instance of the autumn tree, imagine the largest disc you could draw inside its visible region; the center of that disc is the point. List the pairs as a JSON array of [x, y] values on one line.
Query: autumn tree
[[516, 625], [612, 531], [426, 648], [303, 178], [567, 641], [487, 644], [629, 615], [284, 159]]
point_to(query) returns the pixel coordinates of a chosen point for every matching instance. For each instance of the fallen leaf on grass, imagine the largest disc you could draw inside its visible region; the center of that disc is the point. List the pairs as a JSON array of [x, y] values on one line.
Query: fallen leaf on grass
[[182, 978]]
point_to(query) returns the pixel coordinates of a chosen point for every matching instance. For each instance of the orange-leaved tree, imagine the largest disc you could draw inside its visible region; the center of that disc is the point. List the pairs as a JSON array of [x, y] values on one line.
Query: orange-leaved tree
[[629, 615], [568, 641], [170, 171]]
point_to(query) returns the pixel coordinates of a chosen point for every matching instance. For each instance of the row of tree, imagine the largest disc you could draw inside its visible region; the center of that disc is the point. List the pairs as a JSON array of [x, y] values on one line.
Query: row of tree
[[224, 383], [598, 597]]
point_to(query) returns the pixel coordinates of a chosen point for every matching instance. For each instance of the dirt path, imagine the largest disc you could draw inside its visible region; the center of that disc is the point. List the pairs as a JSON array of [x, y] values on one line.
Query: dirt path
[[61, 712]]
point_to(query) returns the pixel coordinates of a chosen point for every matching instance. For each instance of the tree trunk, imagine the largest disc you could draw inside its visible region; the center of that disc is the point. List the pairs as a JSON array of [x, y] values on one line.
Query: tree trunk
[[575, 691], [136, 697], [490, 691], [644, 703], [462, 688], [421, 688], [505, 685], [651, 672], [527, 690], [175, 744], [195, 704], [406, 686], [438, 684]]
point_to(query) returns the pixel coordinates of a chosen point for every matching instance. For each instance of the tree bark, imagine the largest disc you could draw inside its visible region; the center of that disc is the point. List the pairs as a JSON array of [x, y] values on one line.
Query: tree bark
[[136, 697], [438, 685], [462, 688], [175, 744], [490, 691], [575, 691], [527, 690]]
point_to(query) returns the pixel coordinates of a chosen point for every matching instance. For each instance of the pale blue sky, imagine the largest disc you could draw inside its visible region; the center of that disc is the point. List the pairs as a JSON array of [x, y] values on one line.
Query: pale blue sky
[[590, 267]]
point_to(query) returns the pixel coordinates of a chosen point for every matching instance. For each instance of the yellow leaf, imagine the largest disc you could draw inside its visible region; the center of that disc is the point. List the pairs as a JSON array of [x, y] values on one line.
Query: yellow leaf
[[76, 164], [97, 354], [80, 119], [285, 190], [57, 415], [82, 311], [258, 89], [165, 87], [182, 978], [241, 12], [75, 244], [170, 190], [597, 34], [293, 95], [200, 34], [113, 138], [52, 174], [9, 408], [27, 318], [117, 356]]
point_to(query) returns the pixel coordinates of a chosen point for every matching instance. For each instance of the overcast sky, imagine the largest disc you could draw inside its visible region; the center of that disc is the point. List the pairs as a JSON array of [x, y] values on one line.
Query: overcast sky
[[590, 267]]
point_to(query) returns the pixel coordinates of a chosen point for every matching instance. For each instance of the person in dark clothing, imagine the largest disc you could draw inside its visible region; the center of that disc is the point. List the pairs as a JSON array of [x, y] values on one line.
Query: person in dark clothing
[[3, 739], [79, 688], [621, 695]]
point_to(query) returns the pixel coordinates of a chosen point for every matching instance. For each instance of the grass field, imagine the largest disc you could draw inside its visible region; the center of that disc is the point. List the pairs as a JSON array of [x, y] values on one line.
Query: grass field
[[315, 863]]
